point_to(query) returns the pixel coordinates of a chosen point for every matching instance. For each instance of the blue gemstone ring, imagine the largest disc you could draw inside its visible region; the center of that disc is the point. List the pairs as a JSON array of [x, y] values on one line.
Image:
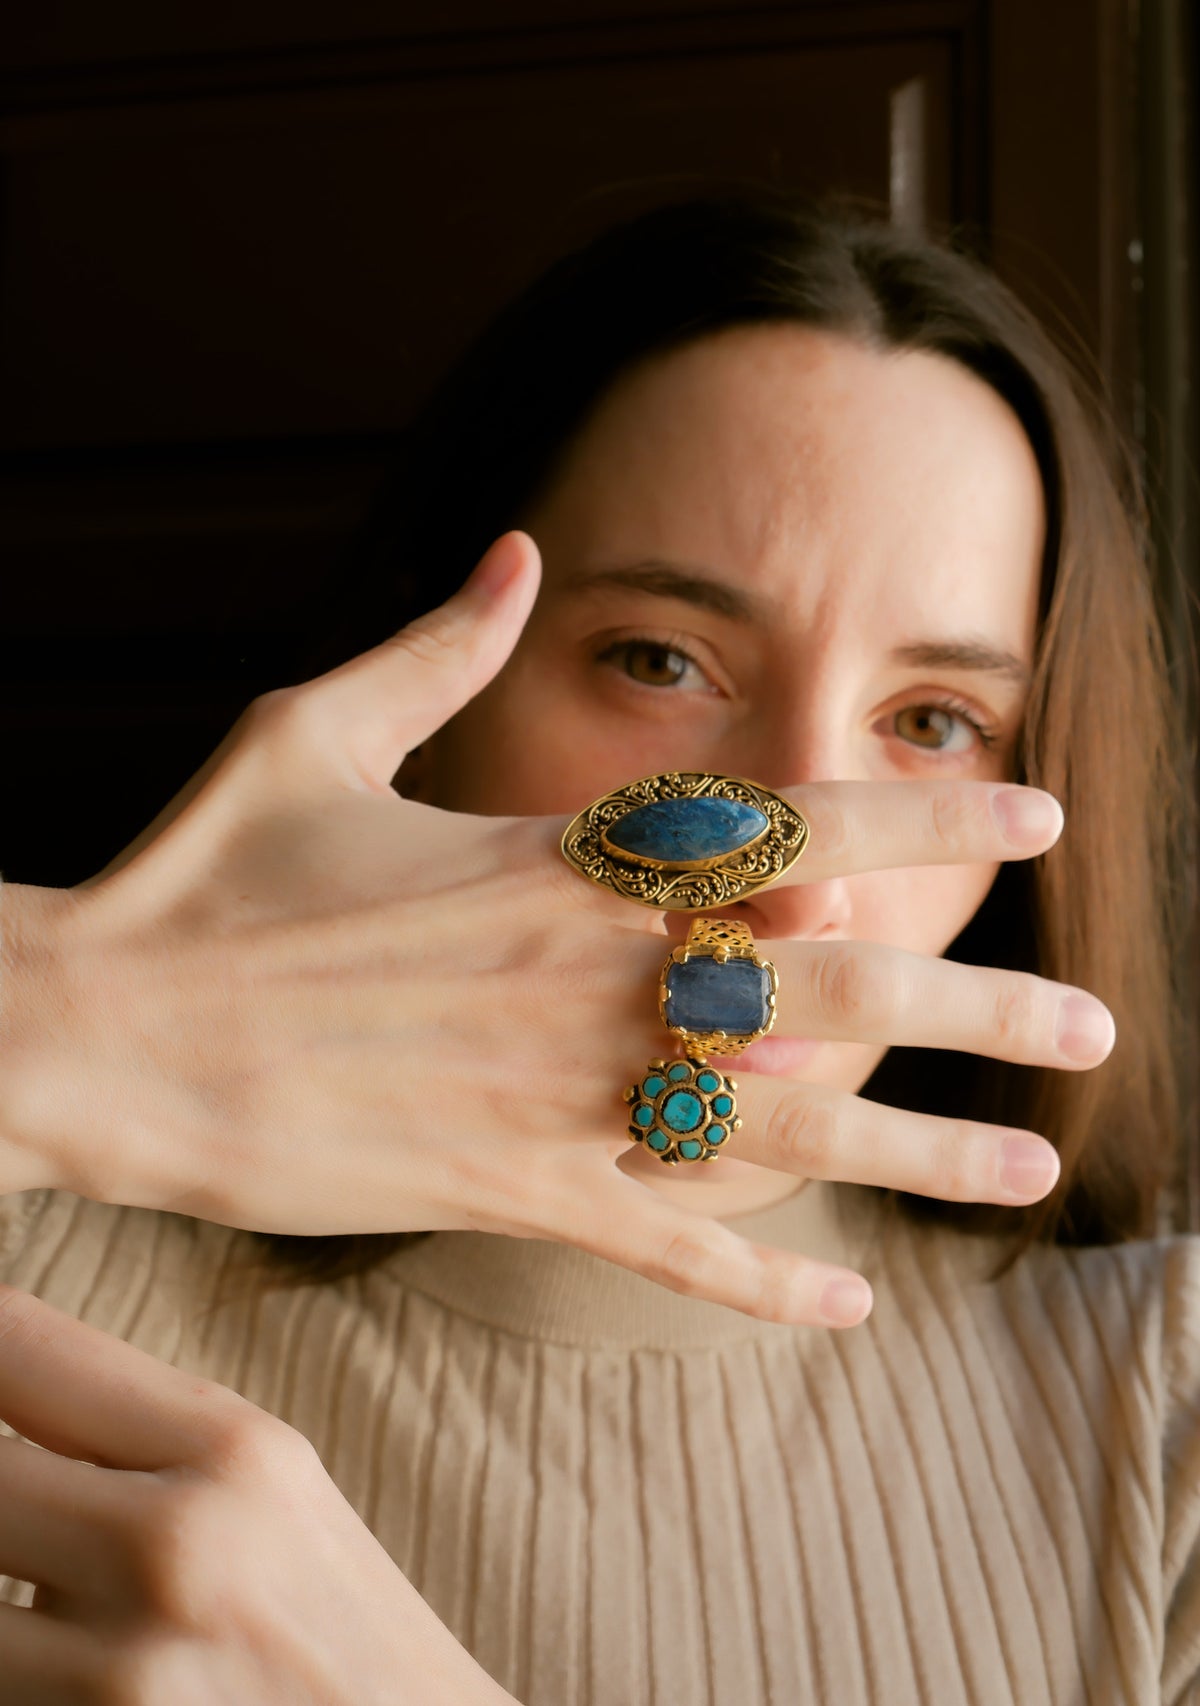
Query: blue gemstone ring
[[685, 841], [716, 993]]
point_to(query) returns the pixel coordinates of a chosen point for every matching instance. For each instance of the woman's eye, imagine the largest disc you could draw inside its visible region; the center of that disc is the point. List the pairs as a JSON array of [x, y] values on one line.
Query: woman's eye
[[654, 664], [938, 729]]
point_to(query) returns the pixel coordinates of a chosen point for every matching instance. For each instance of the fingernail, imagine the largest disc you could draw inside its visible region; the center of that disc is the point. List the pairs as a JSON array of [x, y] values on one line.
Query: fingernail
[[499, 566], [1028, 1167], [1085, 1028], [1027, 815], [845, 1302]]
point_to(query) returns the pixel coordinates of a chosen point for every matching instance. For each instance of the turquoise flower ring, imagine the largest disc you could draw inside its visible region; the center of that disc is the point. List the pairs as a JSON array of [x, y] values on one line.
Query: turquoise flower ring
[[673, 1110], [685, 841]]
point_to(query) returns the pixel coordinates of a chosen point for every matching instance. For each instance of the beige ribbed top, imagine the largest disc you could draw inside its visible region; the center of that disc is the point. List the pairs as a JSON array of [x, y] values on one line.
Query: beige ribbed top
[[615, 1496]]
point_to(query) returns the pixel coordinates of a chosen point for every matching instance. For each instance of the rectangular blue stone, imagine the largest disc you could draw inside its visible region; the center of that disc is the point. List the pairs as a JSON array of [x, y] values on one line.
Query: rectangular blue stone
[[704, 994]]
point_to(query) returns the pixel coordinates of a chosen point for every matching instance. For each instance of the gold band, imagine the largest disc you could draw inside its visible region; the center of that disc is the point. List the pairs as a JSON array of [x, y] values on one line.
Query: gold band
[[723, 938]]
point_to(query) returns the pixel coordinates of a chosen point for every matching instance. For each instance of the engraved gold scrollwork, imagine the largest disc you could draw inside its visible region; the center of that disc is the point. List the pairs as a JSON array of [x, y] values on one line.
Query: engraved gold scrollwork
[[719, 881]]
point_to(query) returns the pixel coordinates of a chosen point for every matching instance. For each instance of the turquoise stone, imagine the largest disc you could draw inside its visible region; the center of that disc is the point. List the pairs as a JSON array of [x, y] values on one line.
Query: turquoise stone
[[678, 1071], [657, 1140], [716, 1134], [682, 1111], [681, 832], [643, 1116], [722, 1105], [690, 1149], [708, 1082], [651, 1086]]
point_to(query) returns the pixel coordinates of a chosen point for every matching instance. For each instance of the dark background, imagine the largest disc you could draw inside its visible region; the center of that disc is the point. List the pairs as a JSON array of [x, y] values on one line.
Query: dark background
[[239, 244]]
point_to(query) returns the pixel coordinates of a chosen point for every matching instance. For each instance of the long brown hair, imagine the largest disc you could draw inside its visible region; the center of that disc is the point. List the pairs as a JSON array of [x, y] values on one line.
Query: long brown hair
[[1102, 908]]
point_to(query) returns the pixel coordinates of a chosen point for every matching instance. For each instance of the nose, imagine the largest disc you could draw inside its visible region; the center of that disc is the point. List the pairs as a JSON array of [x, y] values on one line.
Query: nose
[[809, 912]]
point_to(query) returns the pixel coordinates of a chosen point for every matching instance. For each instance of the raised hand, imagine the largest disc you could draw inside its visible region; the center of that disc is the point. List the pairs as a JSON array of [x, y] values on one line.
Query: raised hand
[[301, 1003]]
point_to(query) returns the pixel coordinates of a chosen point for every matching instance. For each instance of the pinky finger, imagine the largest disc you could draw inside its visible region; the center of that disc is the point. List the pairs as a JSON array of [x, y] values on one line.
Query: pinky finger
[[698, 1257]]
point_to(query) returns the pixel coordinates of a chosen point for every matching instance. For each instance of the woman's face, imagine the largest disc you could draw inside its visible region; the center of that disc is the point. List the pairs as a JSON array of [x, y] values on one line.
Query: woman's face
[[777, 554]]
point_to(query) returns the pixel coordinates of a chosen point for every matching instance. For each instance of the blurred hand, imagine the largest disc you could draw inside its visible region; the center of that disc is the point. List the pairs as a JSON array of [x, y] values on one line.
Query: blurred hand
[[188, 1547]]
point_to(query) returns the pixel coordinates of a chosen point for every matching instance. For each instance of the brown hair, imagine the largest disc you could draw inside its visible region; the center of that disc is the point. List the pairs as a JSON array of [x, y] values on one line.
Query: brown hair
[[1103, 907]]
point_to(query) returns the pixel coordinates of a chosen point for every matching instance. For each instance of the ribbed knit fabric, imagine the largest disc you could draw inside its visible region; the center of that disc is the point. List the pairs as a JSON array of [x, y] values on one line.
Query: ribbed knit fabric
[[616, 1496]]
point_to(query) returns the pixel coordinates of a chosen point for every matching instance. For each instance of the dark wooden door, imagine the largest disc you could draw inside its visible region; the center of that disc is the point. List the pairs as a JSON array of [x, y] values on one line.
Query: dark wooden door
[[240, 244]]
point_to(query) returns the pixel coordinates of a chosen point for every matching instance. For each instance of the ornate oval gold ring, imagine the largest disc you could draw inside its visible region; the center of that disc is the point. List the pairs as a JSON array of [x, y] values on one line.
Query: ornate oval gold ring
[[686, 841]]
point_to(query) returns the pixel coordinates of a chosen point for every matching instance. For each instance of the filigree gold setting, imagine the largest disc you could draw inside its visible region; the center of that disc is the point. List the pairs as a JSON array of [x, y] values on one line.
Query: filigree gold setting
[[700, 884], [721, 940]]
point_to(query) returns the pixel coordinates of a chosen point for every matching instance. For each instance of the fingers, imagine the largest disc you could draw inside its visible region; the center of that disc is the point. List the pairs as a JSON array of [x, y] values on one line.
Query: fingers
[[388, 700], [47, 1535], [75, 1390], [878, 826], [699, 1257], [48, 1661], [871, 993], [818, 1133]]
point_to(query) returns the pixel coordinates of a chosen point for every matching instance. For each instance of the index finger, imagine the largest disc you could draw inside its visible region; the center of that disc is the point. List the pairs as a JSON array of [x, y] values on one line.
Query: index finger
[[85, 1394], [878, 826]]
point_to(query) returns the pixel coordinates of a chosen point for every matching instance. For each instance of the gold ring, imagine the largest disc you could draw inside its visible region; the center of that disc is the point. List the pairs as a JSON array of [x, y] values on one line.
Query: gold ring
[[717, 994], [685, 841]]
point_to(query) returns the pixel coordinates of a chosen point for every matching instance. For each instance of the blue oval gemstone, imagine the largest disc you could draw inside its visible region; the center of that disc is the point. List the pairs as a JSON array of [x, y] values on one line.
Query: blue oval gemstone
[[680, 832]]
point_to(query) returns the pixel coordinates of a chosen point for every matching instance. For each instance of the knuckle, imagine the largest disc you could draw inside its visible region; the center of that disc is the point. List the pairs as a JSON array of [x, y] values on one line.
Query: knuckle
[[175, 1552], [960, 1172], [250, 1444], [430, 639], [1015, 1013], [847, 987], [687, 1261], [776, 1297], [955, 818], [806, 1135], [827, 821], [282, 716]]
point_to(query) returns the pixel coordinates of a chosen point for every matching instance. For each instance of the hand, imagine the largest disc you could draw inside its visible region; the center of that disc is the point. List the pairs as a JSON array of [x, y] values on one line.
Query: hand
[[188, 1547], [300, 1003]]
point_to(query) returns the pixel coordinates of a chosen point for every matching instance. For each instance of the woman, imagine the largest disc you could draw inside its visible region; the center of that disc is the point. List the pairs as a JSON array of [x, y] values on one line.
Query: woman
[[817, 505]]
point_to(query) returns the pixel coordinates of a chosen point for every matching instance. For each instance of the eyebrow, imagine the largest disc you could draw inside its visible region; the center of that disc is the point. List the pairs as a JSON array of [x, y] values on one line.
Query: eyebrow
[[971, 654], [664, 580]]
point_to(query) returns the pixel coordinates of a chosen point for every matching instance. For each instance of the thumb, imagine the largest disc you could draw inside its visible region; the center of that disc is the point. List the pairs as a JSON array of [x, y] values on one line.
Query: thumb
[[391, 698]]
